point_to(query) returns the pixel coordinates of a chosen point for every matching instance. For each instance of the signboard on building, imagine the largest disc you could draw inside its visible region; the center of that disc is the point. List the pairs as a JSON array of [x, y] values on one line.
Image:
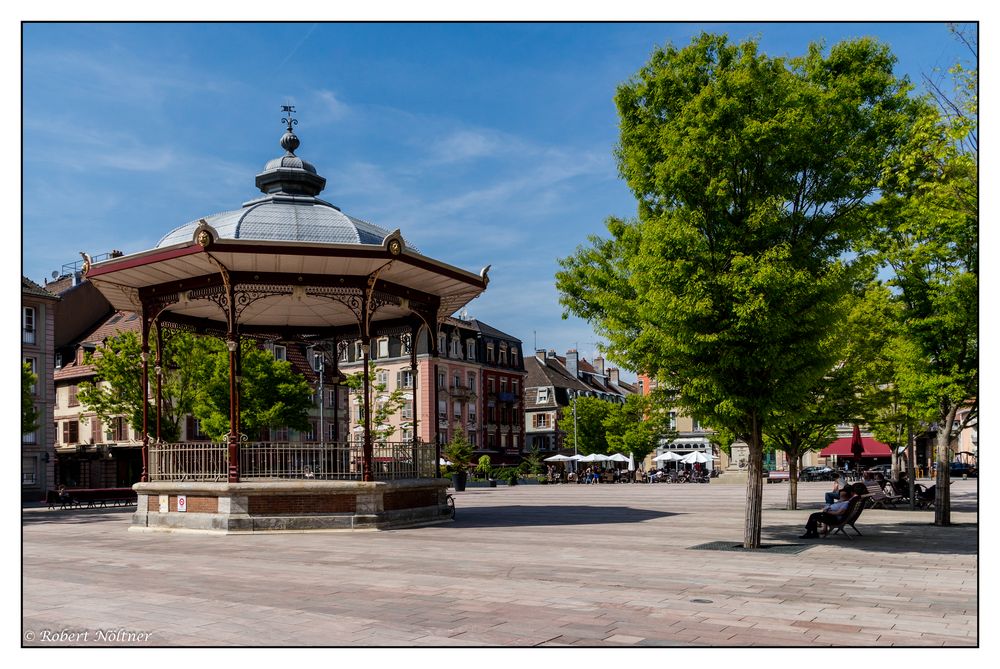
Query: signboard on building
[[182, 503]]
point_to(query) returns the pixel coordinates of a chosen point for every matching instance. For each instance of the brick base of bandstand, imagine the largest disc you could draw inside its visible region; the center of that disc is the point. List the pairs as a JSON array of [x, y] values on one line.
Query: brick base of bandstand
[[289, 506]]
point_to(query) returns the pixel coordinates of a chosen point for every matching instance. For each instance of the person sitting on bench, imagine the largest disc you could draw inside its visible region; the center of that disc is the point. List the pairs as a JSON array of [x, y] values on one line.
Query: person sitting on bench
[[830, 514]]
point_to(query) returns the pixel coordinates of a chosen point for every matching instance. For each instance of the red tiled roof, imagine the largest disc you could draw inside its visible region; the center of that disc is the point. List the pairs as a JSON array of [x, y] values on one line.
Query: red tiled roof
[[116, 323]]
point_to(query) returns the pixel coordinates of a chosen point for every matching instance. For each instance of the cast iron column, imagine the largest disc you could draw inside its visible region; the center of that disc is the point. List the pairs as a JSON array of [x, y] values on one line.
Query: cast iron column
[[366, 454], [414, 329], [144, 355], [336, 394], [159, 380], [234, 417]]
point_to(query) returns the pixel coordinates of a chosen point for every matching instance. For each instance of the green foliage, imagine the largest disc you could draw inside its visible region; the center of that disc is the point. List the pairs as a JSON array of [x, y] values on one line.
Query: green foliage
[[484, 468], [117, 386], [272, 394], [385, 404], [928, 234], [752, 175], [29, 414], [585, 431], [458, 452], [508, 474], [637, 426], [195, 381], [532, 462]]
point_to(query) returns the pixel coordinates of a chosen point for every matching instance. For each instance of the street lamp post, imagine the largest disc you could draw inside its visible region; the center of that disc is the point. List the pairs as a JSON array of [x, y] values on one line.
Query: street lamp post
[[322, 426], [576, 432]]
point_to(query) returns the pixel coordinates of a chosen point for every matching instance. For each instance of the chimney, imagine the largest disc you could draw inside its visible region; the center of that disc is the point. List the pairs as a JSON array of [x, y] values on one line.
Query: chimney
[[540, 354], [572, 366], [613, 373], [599, 365], [551, 354]]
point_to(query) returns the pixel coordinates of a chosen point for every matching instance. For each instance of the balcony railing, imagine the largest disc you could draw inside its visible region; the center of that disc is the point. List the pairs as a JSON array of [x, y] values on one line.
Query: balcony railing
[[277, 461]]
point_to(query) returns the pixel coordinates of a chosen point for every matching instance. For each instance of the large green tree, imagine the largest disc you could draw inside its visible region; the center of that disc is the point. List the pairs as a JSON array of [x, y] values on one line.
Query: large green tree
[[583, 423], [116, 389], [272, 393], [638, 425], [195, 380], [751, 173], [810, 424], [930, 238]]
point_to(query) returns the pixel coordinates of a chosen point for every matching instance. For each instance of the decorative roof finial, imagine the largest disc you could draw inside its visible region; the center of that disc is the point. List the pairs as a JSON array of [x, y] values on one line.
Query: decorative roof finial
[[289, 142]]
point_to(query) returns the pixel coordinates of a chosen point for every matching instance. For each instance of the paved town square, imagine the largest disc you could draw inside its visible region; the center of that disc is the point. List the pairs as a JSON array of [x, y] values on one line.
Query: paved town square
[[566, 565]]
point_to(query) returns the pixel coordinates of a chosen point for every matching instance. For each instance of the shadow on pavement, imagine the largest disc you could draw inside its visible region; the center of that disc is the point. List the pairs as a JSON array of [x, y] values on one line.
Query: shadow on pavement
[[905, 537], [75, 516], [516, 515]]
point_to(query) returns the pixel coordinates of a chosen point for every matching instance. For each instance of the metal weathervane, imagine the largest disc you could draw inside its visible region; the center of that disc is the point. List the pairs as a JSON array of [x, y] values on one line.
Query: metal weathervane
[[289, 109]]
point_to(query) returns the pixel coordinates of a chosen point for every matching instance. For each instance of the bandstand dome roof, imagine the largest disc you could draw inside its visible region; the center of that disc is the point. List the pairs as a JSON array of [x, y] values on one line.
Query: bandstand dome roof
[[288, 212], [294, 259]]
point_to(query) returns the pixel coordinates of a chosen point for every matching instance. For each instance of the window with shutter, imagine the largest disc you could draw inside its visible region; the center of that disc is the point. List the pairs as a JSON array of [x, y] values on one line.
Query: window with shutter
[[28, 325]]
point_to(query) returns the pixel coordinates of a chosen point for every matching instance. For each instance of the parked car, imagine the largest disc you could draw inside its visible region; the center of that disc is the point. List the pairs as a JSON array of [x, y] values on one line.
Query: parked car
[[817, 473], [960, 469], [884, 470]]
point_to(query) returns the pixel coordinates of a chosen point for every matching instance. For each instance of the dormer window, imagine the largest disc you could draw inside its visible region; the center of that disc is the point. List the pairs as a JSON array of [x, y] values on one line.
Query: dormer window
[[470, 349], [442, 344], [489, 352], [543, 396], [280, 353], [513, 356], [503, 353]]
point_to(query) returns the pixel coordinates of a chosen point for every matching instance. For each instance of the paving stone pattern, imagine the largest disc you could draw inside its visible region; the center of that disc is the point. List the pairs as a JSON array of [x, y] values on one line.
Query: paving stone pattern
[[568, 565]]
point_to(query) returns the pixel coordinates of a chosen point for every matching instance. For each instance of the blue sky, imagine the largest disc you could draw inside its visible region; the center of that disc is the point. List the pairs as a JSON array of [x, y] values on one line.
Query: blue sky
[[484, 143]]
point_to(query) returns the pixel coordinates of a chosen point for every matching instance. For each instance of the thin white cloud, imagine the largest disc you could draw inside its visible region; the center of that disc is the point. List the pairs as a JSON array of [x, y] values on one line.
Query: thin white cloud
[[463, 145], [329, 108]]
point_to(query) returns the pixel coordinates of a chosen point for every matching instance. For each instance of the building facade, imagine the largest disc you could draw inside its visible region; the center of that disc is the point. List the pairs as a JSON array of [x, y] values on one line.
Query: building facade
[[473, 385], [91, 453], [38, 307], [552, 383]]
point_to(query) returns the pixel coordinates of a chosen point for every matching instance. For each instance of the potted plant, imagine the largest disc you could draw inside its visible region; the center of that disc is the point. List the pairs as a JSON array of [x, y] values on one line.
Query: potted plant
[[509, 474], [485, 470], [459, 453]]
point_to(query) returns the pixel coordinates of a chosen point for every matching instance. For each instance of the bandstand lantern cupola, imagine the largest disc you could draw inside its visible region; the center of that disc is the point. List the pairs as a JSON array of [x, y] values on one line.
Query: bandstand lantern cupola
[[286, 265]]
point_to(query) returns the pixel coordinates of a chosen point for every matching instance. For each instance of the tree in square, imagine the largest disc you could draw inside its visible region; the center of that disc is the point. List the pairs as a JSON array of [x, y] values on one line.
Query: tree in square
[[752, 175]]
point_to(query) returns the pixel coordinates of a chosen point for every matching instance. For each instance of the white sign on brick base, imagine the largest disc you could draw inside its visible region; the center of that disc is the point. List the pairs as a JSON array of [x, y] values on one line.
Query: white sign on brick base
[[182, 503]]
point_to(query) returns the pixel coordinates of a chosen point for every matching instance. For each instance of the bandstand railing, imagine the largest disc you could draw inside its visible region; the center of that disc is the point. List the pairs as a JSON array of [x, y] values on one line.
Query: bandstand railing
[[279, 461]]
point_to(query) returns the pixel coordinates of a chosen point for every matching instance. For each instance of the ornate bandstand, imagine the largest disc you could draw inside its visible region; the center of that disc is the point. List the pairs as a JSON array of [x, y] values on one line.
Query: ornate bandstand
[[286, 266]]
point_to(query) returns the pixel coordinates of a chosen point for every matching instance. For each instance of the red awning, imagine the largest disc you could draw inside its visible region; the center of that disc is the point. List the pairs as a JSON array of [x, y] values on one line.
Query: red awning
[[842, 448]]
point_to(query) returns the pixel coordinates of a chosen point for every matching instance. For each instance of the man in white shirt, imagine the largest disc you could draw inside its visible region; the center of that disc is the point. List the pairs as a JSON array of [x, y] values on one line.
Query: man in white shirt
[[829, 515]]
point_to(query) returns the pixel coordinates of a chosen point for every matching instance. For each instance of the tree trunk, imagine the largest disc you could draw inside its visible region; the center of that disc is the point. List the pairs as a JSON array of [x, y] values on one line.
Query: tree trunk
[[911, 467], [793, 482], [894, 460], [755, 488], [942, 497]]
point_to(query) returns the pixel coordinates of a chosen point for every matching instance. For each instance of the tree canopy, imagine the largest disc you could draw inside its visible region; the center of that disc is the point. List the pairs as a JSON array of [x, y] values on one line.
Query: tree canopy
[[272, 394], [196, 381], [29, 414], [752, 174], [583, 423], [927, 233]]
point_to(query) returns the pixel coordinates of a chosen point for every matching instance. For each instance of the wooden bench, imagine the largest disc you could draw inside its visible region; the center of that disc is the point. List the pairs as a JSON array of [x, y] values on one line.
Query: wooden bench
[[876, 495], [776, 476], [92, 498], [857, 505]]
